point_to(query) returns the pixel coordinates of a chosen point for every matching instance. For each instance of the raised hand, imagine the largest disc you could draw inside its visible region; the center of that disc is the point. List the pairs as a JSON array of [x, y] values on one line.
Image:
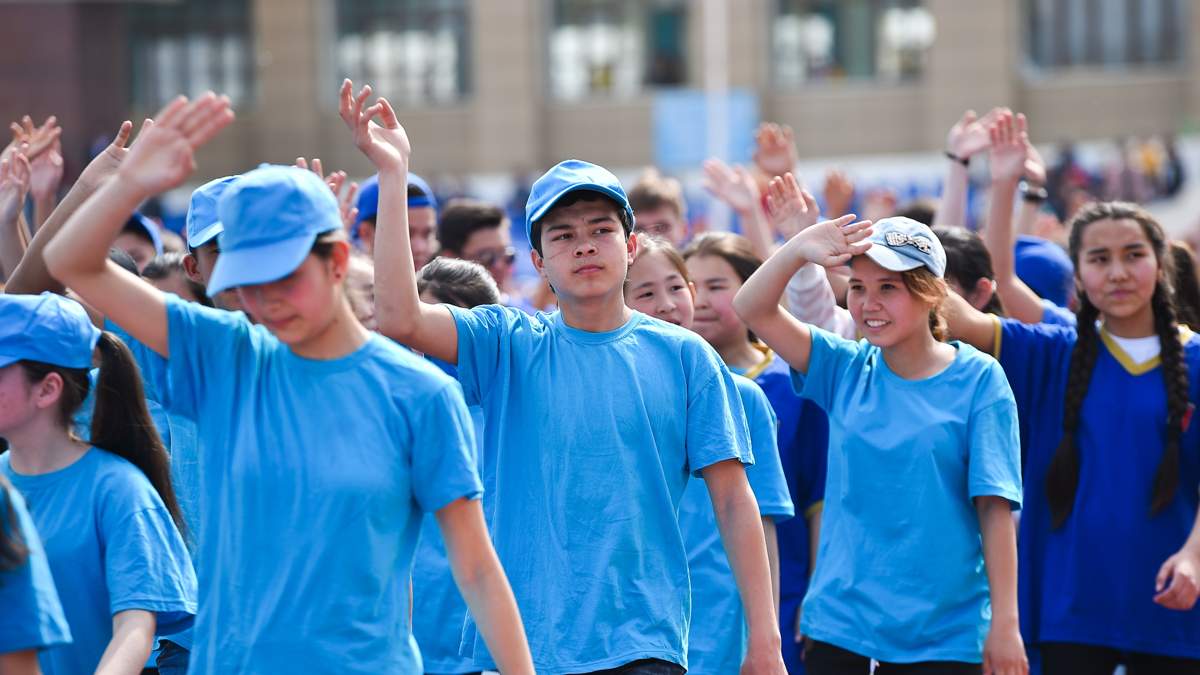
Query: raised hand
[[734, 186], [162, 157], [790, 208], [970, 135], [47, 173], [838, 192], [1035, 166], [775, 149], [336, 181], [14, 186], [1009, 146], [385, 143], [833, 242], [32, 141]]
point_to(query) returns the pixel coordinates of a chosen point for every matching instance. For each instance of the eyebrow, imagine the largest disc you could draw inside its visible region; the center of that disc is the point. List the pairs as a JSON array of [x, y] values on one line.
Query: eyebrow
[[672, 277], [880, 280], [1128, 247]]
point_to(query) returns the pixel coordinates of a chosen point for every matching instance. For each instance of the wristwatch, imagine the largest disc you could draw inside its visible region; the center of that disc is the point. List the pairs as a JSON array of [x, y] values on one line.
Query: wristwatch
[[1033, 193]]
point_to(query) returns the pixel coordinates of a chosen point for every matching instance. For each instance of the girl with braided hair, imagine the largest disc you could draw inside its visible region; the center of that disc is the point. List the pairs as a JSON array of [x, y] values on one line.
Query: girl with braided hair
[[1109, 539]]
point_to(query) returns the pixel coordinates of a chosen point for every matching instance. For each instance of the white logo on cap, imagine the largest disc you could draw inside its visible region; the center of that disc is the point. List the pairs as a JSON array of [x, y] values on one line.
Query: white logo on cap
[[898, 239]]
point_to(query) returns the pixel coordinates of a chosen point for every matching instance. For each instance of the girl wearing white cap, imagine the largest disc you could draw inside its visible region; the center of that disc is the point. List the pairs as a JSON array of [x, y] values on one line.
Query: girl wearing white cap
[[106, 511], [310, 516], [916, 570]]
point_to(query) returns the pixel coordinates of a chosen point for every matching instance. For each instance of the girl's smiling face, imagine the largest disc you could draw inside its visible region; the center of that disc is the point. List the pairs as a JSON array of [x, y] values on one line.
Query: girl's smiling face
[[656, 288], [716, 284], [885, 311]]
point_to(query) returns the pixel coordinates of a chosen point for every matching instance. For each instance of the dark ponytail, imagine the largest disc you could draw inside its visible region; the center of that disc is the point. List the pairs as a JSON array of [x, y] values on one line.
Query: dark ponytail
[[13, 550], [1062, 479], [121, 423]]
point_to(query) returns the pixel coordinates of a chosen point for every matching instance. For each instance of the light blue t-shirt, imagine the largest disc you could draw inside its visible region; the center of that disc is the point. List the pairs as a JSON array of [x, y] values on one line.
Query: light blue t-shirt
[[592, 437], [900, 573], [718, 638], [316, 475], [112, 547], [32, 617]]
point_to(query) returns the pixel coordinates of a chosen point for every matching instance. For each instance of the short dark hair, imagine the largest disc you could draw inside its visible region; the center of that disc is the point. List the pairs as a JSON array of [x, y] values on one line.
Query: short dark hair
[[463, 217], [134, 226], [458, 282], [921, 210], [571, 199], [124, 261], [172, 263]]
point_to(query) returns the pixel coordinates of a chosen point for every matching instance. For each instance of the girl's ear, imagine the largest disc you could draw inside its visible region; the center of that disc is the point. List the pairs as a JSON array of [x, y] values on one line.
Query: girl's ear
[[339, 260], [47, 392]]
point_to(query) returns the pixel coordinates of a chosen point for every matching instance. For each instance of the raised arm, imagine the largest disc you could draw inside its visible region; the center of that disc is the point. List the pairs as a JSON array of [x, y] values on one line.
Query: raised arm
[[1007, 162], [737, 188], [966, 138], [399, 311], [14, 186], [832, 242], [161, 159]]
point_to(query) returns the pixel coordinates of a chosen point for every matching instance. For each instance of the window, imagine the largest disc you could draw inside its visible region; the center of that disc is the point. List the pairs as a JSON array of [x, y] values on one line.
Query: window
[[412, 51], [815, 40], [616, 47], [190, 47], [1104, 33]]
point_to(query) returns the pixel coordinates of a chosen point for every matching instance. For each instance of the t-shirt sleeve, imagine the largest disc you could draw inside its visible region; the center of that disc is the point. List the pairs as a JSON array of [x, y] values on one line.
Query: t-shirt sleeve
[[1034, 358], [32, 617], [766, 475], [443, 456], [1057, 316], [994, 461], [716, 426], [484, 335], [812, 458], [827, 363], [207, 354], [145, 561]]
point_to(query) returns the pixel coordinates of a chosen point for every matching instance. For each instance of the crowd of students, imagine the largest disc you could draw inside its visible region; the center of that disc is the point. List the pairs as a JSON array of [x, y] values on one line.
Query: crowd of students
[[333, 436]]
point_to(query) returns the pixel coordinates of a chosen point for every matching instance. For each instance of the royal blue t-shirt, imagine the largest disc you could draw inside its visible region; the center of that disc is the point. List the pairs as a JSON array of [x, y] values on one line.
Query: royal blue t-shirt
[[316, 475], [593, 437], [112, 547], [718, 638], [900, 572], [1092, 581], [32, 617]]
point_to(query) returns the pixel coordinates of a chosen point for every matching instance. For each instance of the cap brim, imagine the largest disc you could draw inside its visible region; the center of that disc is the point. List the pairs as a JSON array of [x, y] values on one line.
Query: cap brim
[[545, 208], [7, 360], [204, 236], [890, 260], [259, 264]]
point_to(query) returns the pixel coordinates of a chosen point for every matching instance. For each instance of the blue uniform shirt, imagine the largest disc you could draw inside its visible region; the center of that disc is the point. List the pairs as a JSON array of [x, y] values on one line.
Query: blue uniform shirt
[[900, 574], [32, 617], [316, 474], [593, 437]]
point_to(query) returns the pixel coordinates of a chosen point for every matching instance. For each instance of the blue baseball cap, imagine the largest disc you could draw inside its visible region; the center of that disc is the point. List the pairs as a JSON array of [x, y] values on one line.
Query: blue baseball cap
[[271, 216], [565, 178], [140, 221], [900, 244], [202, 222], [47, 328], [1046, 268], [368, 197]]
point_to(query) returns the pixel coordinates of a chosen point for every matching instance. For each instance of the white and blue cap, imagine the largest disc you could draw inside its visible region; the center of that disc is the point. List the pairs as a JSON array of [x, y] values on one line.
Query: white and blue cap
[[570, 176], [47, 328], [272, 216], [202, 223], [900, 244]]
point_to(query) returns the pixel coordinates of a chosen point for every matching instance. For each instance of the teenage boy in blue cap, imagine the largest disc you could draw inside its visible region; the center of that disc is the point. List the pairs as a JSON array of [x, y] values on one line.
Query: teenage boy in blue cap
[[595, 417], [422, 218], [202, 230]]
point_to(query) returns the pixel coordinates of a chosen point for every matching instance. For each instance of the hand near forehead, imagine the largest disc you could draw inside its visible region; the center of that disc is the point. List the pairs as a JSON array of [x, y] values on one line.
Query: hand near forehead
[[833, 242], [385, 142], [163, 155], [790, 208]]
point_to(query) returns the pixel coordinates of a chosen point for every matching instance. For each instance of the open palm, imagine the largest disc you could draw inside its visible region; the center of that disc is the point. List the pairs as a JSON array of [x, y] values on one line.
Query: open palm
[[790, 208], [162, 158], [385, 143], [834, 242], [734, 186], [14, 185]]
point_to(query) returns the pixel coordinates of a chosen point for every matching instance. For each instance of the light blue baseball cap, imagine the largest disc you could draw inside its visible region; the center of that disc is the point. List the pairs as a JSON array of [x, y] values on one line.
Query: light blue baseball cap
[[566, 177], [202, 222], [368, 196], [141, 222], [47, 328], [271, 217], [900, 244]]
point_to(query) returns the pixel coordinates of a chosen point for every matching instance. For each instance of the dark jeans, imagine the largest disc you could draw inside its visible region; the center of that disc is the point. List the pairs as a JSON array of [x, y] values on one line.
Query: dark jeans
[[643, 667], [823, 658], [1062, 658]]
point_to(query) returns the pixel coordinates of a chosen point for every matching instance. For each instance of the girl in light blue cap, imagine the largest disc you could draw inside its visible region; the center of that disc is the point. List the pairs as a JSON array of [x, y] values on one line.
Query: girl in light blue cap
[[323, 443], [916, 570], [106, 511]]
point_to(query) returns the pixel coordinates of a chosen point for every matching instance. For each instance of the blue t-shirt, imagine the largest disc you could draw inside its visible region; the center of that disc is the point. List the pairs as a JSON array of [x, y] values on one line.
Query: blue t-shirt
[[718, 638], [316, 474], [1057, 316], [900, 573], [593, 437], [803, 447], [1092, 581], [112, 547], [32, 617]]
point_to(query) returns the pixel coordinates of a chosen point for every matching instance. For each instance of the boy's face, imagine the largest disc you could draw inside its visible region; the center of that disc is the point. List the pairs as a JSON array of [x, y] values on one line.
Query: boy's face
[[199, 266], [585, 253], [663, 222], [138, 248], [422, 234], [492, 248]]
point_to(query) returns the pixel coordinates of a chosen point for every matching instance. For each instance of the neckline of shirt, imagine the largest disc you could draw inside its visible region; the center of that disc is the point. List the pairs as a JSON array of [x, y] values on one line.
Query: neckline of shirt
[[25, 481], [891, 374], [332, 365], [594, 338]]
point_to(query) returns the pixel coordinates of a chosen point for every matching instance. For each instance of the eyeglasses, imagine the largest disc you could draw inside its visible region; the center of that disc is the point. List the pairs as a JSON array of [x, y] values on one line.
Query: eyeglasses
[[489, 257]]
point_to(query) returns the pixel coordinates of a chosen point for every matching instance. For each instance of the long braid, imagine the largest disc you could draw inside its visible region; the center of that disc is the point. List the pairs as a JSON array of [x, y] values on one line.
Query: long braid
[[1062, 478], [1175, 377]]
